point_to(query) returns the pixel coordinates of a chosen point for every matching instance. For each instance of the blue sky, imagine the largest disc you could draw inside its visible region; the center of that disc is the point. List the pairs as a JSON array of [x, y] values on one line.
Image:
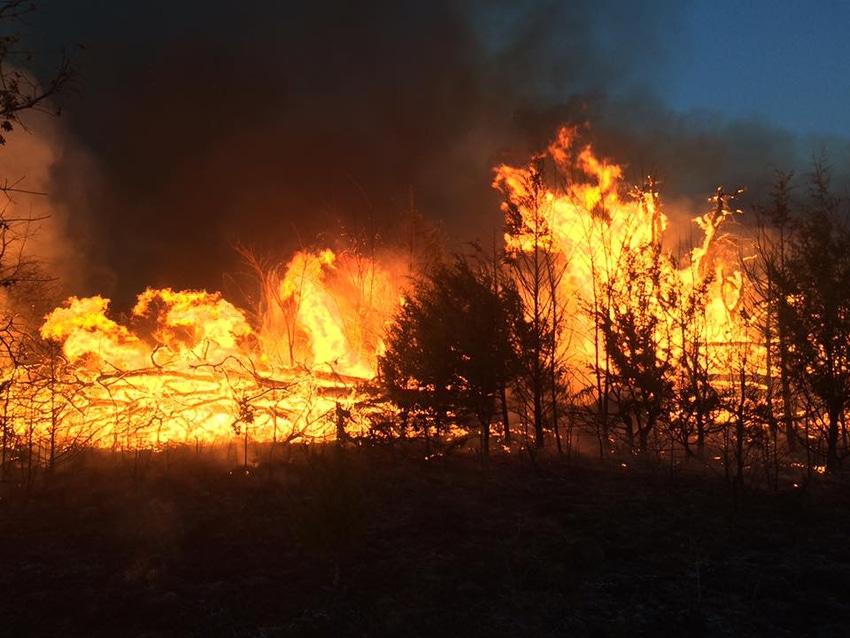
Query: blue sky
[[787, 61]]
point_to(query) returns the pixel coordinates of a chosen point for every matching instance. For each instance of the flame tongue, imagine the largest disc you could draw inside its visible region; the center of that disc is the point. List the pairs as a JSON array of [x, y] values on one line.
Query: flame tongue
[[83, 328], [189, 367], [588, 226]]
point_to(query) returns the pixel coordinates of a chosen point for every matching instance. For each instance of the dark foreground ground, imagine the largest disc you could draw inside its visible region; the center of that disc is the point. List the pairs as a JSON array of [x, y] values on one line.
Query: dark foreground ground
[[375, 543]]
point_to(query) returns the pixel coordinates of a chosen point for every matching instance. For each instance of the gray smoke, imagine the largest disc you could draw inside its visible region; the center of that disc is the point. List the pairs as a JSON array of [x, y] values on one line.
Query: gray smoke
[[273, 124]]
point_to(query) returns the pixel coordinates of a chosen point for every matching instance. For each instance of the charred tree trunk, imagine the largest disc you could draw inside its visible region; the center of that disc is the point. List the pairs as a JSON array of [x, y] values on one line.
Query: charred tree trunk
[[506, 423], [785, 388], [554, 280], [537, 370], [832, 440], [700, 427], [554, 382], [537, 391], [645, 430], [630, 432], [5, 448], [485, 440], [740, 431], [643, 439]]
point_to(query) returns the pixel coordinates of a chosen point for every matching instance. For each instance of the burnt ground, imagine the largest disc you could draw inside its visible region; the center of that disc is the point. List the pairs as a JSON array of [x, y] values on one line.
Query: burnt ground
[[374, 542]]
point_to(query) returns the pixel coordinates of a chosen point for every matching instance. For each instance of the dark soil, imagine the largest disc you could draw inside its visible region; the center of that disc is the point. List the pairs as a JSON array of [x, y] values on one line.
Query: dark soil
[[373, 542]]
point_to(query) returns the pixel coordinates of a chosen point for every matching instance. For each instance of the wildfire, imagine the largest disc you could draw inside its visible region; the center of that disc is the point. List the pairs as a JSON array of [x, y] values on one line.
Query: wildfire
[[591, 231], [190, 367], [187, 366]]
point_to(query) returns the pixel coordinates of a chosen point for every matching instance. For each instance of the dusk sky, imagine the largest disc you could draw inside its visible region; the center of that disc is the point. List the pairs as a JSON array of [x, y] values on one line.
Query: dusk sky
[[199, 125], [784, 60]]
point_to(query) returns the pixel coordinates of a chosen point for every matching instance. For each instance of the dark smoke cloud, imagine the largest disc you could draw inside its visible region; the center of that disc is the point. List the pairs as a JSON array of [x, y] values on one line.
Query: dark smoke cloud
[[211, 123], [694, 153]]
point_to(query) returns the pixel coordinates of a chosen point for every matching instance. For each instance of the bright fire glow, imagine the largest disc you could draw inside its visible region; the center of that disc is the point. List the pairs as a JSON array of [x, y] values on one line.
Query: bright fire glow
[[190, 367], [187, 367], [590, 227]]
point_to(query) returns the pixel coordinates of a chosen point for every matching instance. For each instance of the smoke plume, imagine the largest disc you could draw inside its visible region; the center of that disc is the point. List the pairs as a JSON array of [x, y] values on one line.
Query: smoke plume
[[272, 124]]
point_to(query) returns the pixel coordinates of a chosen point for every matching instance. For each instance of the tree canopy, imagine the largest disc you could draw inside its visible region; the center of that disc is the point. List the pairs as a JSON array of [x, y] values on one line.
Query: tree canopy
[[450, 350]]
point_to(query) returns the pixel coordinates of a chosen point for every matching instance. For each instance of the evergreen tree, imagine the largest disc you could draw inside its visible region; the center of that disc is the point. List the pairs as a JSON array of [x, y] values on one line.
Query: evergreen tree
[[450, 350]]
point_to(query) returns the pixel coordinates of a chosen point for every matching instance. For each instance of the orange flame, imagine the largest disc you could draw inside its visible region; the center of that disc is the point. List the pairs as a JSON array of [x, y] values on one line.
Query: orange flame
[[189, 367], [588, 225]]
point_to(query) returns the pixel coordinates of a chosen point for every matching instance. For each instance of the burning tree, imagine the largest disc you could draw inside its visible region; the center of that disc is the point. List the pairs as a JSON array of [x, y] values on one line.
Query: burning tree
[[638, 343], [587, 314], [701, 302], [640, 334], [530, 254], [696, 399], [190, 368]]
